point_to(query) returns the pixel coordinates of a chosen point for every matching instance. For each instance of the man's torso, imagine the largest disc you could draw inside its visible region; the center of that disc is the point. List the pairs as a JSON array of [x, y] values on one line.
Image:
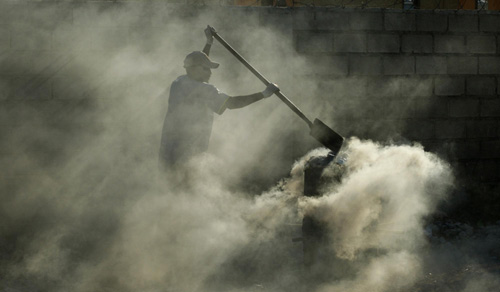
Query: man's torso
[[189, 119]]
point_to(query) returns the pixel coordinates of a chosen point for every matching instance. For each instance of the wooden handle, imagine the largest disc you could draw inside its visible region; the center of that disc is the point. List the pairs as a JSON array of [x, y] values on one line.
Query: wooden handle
[[283, 98]]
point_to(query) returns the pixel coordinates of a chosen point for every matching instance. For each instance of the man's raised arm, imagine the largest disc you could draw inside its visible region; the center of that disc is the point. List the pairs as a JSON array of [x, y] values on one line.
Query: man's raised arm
[[210, 40]]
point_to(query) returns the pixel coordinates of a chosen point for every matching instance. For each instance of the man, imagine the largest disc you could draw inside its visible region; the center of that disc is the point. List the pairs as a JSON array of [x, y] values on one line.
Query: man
[[191, 107]]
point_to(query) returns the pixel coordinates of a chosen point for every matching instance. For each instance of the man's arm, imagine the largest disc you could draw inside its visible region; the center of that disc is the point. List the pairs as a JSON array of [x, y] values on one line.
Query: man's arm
[[240, 101], [235, 102], [207, 48], [210, 40]]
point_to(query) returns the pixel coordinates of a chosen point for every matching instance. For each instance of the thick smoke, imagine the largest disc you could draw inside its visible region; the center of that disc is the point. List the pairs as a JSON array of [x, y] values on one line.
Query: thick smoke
[[83, 207]]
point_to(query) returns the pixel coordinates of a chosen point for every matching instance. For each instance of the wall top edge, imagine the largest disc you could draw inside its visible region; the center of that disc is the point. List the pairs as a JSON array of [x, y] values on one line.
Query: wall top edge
[[261, 8]]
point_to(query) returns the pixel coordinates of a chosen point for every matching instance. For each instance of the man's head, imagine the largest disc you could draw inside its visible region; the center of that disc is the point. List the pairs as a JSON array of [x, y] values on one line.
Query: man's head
[[198, 66]]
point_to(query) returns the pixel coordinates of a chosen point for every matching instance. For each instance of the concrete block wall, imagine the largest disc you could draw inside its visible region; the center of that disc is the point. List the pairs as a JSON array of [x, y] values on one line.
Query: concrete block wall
[[426, 76], [453, 56]]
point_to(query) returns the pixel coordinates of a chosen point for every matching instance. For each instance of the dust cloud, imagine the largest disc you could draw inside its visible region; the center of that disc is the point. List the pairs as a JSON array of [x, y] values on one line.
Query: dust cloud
[[84, 208], [377, 213]]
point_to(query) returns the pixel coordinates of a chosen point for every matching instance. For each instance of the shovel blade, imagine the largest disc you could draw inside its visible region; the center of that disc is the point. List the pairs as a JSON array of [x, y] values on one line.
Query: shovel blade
[[326, 136]]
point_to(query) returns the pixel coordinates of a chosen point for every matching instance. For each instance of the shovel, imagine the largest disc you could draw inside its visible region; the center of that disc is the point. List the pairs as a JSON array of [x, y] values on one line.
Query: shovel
[[321, 132]]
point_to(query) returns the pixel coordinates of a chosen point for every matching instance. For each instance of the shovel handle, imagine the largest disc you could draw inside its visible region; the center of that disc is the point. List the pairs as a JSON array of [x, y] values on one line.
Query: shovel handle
[[283, 98]]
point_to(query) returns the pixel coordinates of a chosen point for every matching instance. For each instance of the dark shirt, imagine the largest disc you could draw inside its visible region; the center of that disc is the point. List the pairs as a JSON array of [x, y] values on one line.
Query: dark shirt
[[188, 123]]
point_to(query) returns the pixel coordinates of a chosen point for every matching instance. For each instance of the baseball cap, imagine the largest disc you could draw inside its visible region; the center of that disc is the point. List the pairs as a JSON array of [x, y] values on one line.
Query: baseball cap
[[199, 58]]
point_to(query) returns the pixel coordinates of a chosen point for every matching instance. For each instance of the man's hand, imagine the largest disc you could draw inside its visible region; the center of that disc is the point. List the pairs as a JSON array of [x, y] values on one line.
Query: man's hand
[[270, 90], [209, 35]]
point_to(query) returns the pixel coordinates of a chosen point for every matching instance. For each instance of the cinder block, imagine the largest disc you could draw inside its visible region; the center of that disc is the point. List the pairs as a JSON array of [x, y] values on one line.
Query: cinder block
[[67, 87], [5, 114], [431, 65], [482, 129], [465, 149], [489, 65], [462, 65], [461, 108], [112, 38], [314, 42], [346, 87], [436, 107], [481, 85], [420, 130], [49, 15], [468, 149], [5, 90], [450, 129], [75, 38], [498, 45], [163, 12], [481, 44], [47, 63], [487, 170], [15, 62], [449, 44], [155, 11], [383, 43], [365, 65], [49, 110], [490, 149], [372, 109], [463, 23], [383, 87], [327, 65], [33, 39], [400, 21], [366, 21], [19, 165], [397, 109], [302, 19], [416, 44], [31, 86], [4, 38], [449, 86], [490, 108], [277, 19], [327, 20], [12, 13], [66, 38], [110, 14], [416, 86], [352, 43], [437, 22], [141, 13], [228, 16], [489, 22], [399, 65], [93, 14]]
